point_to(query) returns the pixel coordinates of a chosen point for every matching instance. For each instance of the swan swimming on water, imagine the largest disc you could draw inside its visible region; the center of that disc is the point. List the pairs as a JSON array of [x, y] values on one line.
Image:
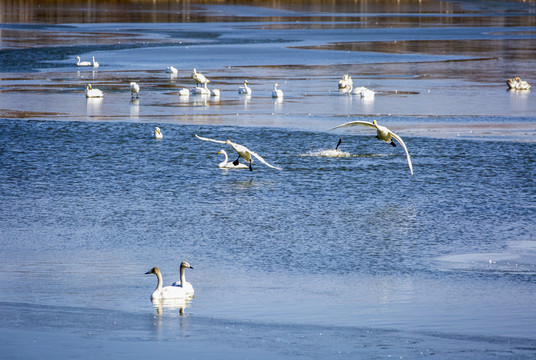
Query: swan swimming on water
[[93, 93], [165, 292], [243, 152], [382, 133], [244, 90], [94, 63], [157, 133], [188, 288], [134, 89], [82, 63], [517, 84], [225, 164], [277, 93]]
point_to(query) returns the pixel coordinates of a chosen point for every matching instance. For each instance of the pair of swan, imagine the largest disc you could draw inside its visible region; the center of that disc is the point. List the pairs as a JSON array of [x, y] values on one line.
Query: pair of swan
[[134, 89], [87, 63], [178, 290], [243, 152], [517, 84], [157, 133], [93, 93], [382, 133]]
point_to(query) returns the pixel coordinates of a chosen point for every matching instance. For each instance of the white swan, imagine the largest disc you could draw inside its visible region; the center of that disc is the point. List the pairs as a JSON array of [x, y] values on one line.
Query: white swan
[[157, 133], [363, 92], [93, 93], [165, 292], [245, 90], [172, 70], [383, 134], [277, 93], [215, 92], [188, 288], [134, 89], [82, 63], [225, 164], [199, 78], [517, 84], [94, 63], [345, 82], [184, 92], [243, 152], [201, 90]]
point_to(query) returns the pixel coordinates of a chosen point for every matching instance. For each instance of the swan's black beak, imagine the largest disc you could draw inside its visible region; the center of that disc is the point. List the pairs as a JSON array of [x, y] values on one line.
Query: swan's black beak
[[191, 267], [149, 272]]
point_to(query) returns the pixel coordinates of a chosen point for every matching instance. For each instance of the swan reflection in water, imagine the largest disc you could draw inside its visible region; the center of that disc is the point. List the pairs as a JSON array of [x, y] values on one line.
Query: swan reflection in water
[[169, 305]]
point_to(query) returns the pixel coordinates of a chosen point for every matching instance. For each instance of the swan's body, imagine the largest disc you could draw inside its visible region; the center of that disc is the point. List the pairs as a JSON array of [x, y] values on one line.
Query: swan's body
[[157, 133], [225, 164], [184, 92], [215, 92], [245, 90], [199, 78], [165, 292], [188, 288], [364, 92], [346, 82], [172, 70], [243, 152], [93, 93], [82, 63], [517, 84], [201, 90], [277, 93], [134, 89], [94, 63], [383, 134]]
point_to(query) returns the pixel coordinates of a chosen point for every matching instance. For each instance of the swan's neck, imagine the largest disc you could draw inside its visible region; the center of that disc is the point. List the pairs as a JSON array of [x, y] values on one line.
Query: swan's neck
[[226, 159], [183, 276], [160, 281]]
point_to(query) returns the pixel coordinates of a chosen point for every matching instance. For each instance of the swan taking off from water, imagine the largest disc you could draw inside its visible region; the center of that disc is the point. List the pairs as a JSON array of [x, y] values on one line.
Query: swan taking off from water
[[157, 133], [172, 70], [225, 164], [199, 78], [165, 292], [134, 89], [82, 63], [517, 84], [332, 152], [243, 152], [383, 134], [188, 288], [277, 93], [94, 63], [245, 90], [93, 93]]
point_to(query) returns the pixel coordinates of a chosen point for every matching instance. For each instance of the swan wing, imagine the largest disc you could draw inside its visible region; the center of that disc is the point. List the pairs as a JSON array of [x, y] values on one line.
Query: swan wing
[[207, 139], [397, 138], [355, 123], [258, 157]]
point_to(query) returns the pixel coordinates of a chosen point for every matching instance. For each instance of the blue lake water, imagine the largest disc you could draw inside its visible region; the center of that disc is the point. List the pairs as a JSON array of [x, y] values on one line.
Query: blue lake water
[[348, 257]]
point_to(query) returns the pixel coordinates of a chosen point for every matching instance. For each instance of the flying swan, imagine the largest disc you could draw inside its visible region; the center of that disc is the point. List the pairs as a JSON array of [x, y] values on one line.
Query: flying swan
[[225, 164], [243, 152], [382, 133], [188, 288], [165, 292]]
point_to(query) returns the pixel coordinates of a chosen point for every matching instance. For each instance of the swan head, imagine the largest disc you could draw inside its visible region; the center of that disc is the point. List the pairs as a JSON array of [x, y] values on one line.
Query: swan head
[[153, 271], [89, 87], [276, 85], [132, 83], [184, 264], [222, 152], [157, 129], [228, 142], [374, 122]]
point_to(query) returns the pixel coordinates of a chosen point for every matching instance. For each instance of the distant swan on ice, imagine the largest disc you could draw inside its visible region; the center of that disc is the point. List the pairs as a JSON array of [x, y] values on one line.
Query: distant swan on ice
[[94, 63], [165, 292], [199, 78], [225, 164], [201, 90], [345, 82], [517, 84], [277, 93], [245, 90], [82, 63], [188, 288], [172, 70], [134, 89], [93, 93]]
